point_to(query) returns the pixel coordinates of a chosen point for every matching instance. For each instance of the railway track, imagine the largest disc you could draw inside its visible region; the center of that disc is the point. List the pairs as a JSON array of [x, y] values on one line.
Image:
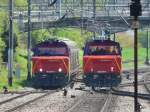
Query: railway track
[[143, 72], [85, 105], [7, 104], [103, 103], [142, 82], [96, 102], [20, 94], [107, 104], [13, 98], [21, 100]]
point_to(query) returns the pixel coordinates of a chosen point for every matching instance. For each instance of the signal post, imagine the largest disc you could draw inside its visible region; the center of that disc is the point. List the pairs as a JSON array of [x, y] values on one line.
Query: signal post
[[135, 11]]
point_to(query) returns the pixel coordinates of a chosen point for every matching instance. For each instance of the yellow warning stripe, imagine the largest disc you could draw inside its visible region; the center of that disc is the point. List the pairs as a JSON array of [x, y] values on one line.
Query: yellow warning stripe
[[65, 64], [86, 63], [68, 69], [117, 64], [36, 62]]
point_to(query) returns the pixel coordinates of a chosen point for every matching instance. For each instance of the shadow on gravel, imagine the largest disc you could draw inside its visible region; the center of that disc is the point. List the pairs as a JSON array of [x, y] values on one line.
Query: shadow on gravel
[[30, 84], [26, 83]]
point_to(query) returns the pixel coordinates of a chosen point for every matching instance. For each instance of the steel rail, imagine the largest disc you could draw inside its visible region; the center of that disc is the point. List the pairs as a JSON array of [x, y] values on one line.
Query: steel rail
[[75, 105], [22, 94], [131, 94], [13, 98], [131, 83], [146, 86], [28, 102], [107, 103]]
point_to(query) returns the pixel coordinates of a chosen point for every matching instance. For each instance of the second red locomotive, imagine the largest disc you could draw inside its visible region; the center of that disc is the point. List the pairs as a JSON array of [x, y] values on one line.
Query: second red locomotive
[[55, 62], [102, 63]]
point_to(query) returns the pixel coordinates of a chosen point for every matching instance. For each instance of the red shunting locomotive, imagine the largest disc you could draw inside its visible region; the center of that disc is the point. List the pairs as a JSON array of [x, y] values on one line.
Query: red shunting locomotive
[[102, 63], [55, 62]]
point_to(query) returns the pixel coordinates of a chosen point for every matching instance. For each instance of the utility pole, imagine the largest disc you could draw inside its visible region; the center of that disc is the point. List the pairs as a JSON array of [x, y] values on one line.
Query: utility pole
[[58, 8], [81, 17], [94, 16], [135, 11], [147, 61], [114, 4], [29, 41], [10, 50], [114, 37]]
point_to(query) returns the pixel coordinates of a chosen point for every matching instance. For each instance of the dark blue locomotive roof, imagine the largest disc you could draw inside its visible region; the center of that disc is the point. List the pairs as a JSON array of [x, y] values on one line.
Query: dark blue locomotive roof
[[56, 42], [55, 47]]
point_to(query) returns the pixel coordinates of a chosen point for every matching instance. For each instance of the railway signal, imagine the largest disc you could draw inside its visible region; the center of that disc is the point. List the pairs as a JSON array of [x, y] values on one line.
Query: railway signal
[[135, 8], [135, 11], [94, 16]]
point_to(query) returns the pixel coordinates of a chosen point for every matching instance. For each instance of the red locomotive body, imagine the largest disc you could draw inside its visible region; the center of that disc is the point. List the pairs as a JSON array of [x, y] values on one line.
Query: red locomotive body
[[55, 62], [102, 63]]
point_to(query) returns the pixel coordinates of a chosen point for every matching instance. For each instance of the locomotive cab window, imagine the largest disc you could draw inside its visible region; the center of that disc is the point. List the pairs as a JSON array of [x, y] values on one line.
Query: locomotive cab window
[[51, 51], [103, 50]]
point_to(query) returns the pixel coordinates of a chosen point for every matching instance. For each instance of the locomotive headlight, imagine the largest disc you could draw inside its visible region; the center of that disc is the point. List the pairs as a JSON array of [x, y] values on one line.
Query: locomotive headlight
[[111, 69], [59, 70], [41, 70]]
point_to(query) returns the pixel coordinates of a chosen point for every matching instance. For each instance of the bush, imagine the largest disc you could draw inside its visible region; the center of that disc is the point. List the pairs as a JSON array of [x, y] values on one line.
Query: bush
[[2, 48], [17, 2], [70, 33], [4, 35], [126, 40]]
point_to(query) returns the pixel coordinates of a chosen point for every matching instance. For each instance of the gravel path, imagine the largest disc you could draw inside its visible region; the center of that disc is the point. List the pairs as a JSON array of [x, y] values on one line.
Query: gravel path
[[4, 97], [90, 103], [55, 102], [18, 101]]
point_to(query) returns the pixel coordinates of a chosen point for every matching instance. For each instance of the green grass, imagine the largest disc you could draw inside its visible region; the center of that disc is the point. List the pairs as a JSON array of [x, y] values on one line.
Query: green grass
[[81, 58], [128, 54], [18, 83], [17, 2]]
